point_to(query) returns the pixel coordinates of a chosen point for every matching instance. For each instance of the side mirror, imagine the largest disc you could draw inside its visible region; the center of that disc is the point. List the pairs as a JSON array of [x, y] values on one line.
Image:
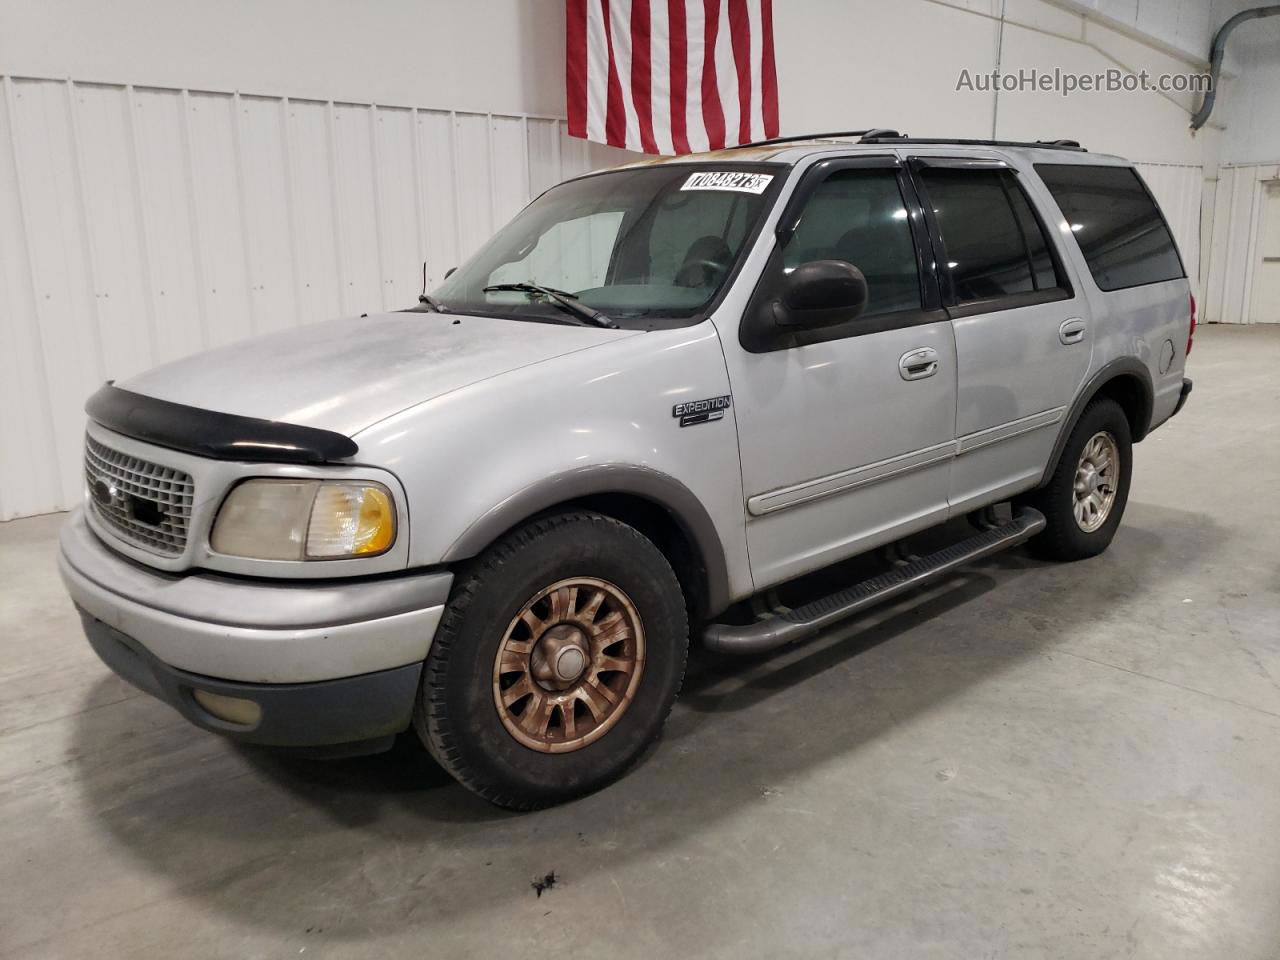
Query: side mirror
[[820, 293]]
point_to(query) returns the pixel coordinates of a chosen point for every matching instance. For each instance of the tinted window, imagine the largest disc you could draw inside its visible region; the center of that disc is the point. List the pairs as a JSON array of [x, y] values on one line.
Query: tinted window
[[687, 238], [1042, 268], [859, 216], [995, 246], [1118, 226]]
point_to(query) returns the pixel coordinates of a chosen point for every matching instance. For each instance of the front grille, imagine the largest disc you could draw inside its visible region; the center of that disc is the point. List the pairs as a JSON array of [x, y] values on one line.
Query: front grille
[[144, 503]]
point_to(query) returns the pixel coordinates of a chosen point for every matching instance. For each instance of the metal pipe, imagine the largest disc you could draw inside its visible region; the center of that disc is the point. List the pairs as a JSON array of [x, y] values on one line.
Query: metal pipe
[[1216, 51]]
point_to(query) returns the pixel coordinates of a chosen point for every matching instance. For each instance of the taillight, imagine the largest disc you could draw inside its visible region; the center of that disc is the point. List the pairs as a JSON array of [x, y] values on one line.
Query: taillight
[[1191, 332]]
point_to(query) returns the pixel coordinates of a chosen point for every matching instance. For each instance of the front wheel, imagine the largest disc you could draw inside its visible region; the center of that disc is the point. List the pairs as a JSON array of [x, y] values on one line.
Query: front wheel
[[1085, 498], [556, 662]]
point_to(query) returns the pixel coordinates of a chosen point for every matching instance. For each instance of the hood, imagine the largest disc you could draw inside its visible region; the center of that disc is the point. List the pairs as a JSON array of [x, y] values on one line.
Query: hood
[[348, 374]]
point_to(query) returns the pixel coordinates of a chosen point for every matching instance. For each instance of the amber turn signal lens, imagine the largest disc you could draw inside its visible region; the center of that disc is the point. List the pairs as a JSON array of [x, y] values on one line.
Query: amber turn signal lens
[[351, 520]]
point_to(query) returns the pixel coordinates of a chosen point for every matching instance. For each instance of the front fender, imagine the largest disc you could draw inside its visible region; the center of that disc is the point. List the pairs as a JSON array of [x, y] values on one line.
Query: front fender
[[476, 462], [607, 478]]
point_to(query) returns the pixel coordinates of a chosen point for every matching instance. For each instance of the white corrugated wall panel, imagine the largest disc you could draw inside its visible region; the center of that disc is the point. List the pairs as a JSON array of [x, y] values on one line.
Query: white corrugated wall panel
[[544, 155], [437, 190], [168, 207], [1233, 257], [357, 209], [510, 155], [398, 201], [222, 252], [312, 191], [29, 472], [268, 216], [473, 181], [1178, 188], [48, 173], [139, 224], [113, 225]]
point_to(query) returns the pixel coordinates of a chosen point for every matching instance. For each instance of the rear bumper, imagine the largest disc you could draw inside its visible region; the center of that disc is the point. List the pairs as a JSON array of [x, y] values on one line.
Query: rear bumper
[[1182, 397], [347, 710]]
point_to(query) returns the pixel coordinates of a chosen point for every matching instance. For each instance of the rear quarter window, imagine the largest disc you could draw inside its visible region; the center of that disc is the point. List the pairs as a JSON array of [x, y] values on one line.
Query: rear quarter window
[[1116, 223]]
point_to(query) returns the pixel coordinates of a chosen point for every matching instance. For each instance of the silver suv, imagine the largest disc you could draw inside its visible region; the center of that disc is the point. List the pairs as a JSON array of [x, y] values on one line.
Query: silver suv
[[647, 409]]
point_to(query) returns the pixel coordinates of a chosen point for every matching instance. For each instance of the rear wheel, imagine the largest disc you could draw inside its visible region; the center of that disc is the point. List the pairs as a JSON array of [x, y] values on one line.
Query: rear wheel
[[556, 662], [1085, 498]]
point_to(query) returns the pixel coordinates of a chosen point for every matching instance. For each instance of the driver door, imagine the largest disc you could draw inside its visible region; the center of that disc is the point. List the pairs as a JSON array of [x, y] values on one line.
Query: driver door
[[846, 432]]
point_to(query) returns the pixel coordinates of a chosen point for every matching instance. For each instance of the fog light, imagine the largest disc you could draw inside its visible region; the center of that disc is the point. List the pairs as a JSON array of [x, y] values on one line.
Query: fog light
[[237, 710]]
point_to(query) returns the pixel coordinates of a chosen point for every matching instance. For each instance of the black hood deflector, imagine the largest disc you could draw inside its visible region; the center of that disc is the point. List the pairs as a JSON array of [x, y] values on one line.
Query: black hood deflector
[[208, 433]]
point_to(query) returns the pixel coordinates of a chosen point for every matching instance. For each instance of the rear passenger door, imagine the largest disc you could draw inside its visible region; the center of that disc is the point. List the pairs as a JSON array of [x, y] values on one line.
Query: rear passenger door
[[1022, 333], [1142, 301]]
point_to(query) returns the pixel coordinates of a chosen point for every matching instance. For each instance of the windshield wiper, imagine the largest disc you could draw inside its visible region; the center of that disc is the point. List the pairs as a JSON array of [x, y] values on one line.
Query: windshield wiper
[[566, 300]]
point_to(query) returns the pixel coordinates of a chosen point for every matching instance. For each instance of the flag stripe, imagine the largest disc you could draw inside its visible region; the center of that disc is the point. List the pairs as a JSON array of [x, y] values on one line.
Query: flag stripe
[[576, 66], [621, 39], [660, 77], [768, 73], [727, 75], [615, 120], [739, 33], [757, 112], [597, 93], [695, 42], [641, 81], [679, 107], [670, 76], [712, 112]]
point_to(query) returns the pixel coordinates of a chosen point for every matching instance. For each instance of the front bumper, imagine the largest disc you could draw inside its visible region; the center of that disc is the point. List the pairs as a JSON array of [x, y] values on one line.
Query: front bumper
[[327, 661], [350, 710]]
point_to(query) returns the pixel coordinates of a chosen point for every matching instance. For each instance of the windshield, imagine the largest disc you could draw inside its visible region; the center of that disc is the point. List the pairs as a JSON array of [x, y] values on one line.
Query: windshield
[[646, 247]]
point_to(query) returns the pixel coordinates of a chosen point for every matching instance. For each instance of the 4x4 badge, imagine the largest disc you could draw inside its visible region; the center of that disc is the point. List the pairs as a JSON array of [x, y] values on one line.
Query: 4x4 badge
[[701, 411]]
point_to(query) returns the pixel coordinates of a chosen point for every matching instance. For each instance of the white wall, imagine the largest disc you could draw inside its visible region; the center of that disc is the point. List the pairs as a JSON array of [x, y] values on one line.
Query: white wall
[[1249, 108], [504, 56], [854, 63], [139, 224], [1233, 254], [174, 175], [1249, 104]]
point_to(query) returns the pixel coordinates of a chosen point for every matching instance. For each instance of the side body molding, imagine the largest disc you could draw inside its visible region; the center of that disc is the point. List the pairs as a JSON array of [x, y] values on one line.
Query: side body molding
[[611, 478], [1122, 366]]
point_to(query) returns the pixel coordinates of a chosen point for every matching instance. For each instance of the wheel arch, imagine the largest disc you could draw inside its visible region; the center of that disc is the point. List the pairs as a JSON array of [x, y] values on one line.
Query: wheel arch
[[1128, 382], [658, 505]]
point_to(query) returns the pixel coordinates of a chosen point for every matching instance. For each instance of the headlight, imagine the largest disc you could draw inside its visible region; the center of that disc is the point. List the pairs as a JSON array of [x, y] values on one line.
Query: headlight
[[305, 520]]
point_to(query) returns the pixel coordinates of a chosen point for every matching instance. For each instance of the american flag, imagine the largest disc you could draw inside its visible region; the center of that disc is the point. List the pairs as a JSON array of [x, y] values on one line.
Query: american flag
[[671, 76]]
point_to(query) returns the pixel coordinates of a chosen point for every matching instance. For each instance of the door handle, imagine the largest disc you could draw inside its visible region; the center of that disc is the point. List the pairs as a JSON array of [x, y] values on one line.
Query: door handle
[[1071, 331], [918, 364]]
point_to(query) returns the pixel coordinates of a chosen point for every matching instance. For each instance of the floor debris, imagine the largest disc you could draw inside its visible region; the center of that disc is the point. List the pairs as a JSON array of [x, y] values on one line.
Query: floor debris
[[545, 882]]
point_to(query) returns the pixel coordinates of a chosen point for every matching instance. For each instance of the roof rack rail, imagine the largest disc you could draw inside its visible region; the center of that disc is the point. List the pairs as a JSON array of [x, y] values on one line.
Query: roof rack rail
[[885, 135], [881, 136], [803, 136]]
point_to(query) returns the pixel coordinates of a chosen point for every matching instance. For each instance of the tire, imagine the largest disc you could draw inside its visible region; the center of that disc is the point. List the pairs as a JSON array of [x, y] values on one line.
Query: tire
[[458, 715], [1064, 537]]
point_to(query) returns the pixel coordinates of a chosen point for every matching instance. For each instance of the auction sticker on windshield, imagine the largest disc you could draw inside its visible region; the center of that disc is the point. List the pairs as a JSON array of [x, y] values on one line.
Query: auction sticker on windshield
[[729, 180]]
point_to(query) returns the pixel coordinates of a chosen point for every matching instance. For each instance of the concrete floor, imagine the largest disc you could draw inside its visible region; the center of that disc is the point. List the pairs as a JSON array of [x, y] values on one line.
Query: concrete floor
[[1028, 761]]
